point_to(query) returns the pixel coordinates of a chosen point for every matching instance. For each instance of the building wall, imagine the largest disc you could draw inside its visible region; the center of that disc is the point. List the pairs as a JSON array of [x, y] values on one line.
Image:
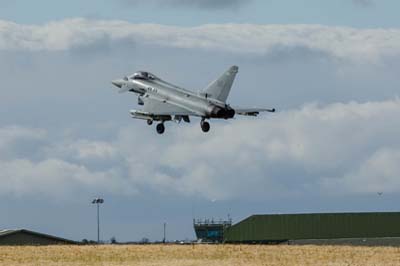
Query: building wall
[[23, 238], [265, 228]]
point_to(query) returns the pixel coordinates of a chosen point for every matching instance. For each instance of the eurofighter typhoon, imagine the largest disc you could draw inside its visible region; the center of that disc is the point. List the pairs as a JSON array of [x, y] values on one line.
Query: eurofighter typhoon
[[163, 101]]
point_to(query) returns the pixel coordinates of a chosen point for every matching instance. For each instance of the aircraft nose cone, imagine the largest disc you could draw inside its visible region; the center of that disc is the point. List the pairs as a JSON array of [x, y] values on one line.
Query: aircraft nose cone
[[118, 83]]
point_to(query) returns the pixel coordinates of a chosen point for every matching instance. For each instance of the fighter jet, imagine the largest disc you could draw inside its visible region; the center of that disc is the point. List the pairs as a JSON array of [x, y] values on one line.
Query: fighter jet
[[163, 101]]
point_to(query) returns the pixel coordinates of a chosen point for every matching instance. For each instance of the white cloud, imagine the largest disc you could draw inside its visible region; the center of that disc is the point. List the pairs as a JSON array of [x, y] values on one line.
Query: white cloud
[[290, 152], [377, 173], [85, 149], [17, 140], [31, 163], [338, 42], [12, 134], [337, 148], [56, 178]]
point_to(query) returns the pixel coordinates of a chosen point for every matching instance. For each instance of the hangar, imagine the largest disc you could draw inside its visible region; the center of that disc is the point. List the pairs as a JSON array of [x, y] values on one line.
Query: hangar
[[27, 237], [278, 228]]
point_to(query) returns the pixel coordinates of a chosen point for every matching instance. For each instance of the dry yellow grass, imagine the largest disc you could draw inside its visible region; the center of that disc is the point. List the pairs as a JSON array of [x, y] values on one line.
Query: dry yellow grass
[[221, 255]]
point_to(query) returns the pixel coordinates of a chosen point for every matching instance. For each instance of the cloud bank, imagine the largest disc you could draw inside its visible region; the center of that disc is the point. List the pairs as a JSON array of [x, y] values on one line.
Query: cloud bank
[[343, 43], [344, 149]]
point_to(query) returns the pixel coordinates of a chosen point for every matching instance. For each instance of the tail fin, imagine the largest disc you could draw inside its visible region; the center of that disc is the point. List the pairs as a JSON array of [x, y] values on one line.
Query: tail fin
[[220, 88]]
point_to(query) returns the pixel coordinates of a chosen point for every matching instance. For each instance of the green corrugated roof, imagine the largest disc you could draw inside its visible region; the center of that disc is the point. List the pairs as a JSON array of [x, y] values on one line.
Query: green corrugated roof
[[7, 232]]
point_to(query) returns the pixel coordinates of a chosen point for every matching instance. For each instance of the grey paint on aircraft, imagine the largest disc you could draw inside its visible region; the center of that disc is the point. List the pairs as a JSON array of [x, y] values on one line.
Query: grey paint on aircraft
[[163, 101]]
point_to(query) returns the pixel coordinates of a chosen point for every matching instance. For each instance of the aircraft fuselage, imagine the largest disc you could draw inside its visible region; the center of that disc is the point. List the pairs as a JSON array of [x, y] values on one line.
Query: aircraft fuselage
[[169, 93]]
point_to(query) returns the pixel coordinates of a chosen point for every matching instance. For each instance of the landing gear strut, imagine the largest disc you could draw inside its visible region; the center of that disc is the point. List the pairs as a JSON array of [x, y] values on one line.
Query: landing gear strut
[[205, 126], [160, 128]]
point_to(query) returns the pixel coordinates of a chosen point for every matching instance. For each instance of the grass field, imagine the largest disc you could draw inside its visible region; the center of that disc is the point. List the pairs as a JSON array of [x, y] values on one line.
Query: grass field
[[166, 255]]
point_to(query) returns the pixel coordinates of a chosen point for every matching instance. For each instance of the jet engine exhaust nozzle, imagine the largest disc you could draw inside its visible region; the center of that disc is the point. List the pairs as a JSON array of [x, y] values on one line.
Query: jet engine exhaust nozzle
[[225, 113]]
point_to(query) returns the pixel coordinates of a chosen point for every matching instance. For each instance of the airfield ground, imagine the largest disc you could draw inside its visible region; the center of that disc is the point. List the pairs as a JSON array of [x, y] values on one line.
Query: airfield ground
[[221, 255]]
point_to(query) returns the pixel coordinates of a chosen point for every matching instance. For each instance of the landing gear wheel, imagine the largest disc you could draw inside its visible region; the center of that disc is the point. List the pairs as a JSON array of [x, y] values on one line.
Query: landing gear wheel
[[160, 128], [205, 126], [149, 122]]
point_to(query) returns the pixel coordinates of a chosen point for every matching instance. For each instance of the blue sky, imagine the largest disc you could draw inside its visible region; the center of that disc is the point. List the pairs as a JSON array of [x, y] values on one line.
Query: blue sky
[[366, 14], [330, 69]]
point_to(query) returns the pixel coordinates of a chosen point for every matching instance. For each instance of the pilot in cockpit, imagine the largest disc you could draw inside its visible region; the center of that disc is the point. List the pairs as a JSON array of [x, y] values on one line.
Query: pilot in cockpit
[[142, 75]]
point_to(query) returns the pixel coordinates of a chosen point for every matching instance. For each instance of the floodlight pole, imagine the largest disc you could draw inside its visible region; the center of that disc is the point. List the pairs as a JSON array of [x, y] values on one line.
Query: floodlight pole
[[98, 201], [165, 228], [98, 223]]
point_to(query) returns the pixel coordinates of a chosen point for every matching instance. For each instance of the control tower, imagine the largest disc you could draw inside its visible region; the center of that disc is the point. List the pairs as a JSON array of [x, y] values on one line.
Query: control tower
[[211, 231]]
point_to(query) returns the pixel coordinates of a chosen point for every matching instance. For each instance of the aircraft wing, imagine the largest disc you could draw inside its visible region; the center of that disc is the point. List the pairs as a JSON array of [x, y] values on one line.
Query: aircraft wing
[[252, 111], [158, 107]]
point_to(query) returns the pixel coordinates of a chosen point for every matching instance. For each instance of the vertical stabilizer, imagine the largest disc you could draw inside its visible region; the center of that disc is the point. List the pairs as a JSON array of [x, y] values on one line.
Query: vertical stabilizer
[[220, 88]]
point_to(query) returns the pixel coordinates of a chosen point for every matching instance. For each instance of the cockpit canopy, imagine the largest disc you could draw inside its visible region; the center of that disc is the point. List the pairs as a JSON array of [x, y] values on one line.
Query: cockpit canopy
[[143, 75]]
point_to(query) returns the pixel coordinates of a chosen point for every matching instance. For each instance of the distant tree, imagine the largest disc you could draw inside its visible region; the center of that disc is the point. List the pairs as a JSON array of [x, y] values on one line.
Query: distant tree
[[145, 240], [113, 240], [85, 241]]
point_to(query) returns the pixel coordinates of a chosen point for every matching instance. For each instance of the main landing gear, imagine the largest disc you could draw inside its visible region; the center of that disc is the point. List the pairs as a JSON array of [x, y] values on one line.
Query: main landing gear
[[160, 128], [205, 126]]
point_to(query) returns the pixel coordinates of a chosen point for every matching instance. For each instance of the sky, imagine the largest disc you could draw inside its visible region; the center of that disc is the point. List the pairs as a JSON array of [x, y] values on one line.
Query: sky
[[330, 68]]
